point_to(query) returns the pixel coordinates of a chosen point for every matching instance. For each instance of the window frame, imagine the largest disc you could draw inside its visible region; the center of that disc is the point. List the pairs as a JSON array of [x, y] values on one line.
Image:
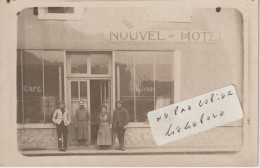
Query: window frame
[[43, 14], [112, 70], [62, 89], [88, 74], [176, 54]]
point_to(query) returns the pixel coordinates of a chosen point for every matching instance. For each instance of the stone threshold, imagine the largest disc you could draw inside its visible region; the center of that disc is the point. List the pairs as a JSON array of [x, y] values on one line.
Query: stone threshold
[[130, 151]]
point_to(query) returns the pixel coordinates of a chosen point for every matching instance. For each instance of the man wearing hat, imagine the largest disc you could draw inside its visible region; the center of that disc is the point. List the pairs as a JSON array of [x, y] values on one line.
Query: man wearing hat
[[61, 118], [120, 121], [82, 118]]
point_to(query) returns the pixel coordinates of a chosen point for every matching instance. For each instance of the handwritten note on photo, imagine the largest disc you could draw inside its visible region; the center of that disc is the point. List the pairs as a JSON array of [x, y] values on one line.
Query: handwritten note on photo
[[195, 115]]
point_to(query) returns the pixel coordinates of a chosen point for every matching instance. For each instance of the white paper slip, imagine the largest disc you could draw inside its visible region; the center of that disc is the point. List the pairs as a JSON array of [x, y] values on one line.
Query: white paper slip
[[195, 115]]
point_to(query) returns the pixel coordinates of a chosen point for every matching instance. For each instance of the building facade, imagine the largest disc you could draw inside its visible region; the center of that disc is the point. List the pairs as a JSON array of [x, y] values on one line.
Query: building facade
[[101, 55]]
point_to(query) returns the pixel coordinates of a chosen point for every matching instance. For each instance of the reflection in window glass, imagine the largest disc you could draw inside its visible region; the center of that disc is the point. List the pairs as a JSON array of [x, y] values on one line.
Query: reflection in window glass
[[53, 81], [32, 107], [164, 84], [99, 63], [144, 84], [143, 106], [124, 62], [19, 89], [125, 65], [144, 74], [60, 10], [78, 62], [128, 103], [150, 87], [95, 94], [33, 86], [83, 90], [74, 91]]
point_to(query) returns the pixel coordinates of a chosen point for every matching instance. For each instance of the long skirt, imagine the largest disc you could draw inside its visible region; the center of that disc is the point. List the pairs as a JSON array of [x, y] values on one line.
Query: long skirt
[[104, 134], [82, 130]]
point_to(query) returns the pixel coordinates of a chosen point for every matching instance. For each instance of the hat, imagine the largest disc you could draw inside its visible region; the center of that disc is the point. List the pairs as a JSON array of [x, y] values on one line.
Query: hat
[[118, 101], [61, 102], [81, 102]]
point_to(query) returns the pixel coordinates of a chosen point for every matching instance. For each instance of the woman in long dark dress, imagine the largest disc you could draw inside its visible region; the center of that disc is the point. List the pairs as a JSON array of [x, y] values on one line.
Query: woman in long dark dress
[[104, 138]]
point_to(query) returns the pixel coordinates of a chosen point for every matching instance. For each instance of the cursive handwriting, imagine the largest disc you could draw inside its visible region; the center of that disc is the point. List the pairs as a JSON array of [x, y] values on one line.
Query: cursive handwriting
[[212, 98], [189, 125]]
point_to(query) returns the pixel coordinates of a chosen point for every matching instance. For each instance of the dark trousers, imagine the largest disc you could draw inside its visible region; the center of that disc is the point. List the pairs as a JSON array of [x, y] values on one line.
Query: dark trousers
[[62, 132], [120, 131]]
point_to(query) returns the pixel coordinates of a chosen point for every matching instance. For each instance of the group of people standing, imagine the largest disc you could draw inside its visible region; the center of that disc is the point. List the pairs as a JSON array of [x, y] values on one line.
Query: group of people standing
[[108, 126]]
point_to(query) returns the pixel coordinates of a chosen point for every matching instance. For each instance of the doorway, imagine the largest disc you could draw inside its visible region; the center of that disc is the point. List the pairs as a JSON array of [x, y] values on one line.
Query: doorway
[[78, 89], [100, 95], [95, 94], [89, 76]]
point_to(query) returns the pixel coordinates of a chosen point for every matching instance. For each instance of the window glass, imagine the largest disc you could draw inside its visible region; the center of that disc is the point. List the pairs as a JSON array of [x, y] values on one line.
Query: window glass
[[143, 106], [33, 86], [74, 98], [164, 84], [19, 88], [129, 104], [144, 84], [83, 90], [53, 81], [60, 10], [125, 65], [74, 91], [124, 62], [99, 63], [78, 62], [145, 81]]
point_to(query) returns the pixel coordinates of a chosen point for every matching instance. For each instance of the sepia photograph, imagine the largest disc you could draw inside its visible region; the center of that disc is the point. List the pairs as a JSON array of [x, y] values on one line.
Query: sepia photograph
[[87, 76]]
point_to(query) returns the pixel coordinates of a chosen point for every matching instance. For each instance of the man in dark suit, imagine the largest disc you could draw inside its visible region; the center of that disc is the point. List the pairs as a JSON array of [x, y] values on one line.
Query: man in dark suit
[[120, 121]]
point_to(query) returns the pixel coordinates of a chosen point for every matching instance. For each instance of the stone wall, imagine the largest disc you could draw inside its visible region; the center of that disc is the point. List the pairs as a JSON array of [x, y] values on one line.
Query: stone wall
[[223, 137], [36, 138]]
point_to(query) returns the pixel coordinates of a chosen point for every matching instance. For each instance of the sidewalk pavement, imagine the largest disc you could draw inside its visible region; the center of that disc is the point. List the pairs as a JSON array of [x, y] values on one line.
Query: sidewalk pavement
[[154, 150]]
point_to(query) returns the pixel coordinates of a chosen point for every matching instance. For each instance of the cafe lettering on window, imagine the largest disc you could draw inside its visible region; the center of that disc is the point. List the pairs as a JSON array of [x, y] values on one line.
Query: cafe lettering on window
[[32, 89], [164, 36]]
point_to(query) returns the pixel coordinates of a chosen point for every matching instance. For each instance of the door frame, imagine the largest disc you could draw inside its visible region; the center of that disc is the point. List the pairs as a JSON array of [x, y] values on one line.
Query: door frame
[[109, 80], [87, 77], [68, 98], [68, 81]]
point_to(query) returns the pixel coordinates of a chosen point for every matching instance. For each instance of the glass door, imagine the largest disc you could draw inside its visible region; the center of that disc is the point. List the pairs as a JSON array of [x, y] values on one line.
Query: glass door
[[105, 93], [78, 89], [100, 95]]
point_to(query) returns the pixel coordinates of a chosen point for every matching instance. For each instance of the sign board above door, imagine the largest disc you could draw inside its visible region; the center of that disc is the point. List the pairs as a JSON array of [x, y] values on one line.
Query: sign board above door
[[163, 36]]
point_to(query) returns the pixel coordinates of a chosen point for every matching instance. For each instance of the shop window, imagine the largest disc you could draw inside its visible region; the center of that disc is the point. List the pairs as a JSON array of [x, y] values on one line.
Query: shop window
[[39, 85], [32, 86], [129, 104], [144, 84], [53, 81], [125, 81], [164, 80], [144, 81], [19, 88]]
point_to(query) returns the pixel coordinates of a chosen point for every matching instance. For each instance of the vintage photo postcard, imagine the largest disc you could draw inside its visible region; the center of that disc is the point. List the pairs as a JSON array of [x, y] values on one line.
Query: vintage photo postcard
[[129, 83]]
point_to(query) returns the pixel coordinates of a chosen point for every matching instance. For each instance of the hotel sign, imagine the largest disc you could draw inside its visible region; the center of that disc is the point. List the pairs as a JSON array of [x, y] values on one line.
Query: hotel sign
[[164, 36]]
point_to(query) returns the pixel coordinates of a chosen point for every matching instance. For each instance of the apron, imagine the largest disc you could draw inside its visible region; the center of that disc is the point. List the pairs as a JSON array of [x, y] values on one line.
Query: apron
[[104, 133], [82, 122], [82, 130]]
